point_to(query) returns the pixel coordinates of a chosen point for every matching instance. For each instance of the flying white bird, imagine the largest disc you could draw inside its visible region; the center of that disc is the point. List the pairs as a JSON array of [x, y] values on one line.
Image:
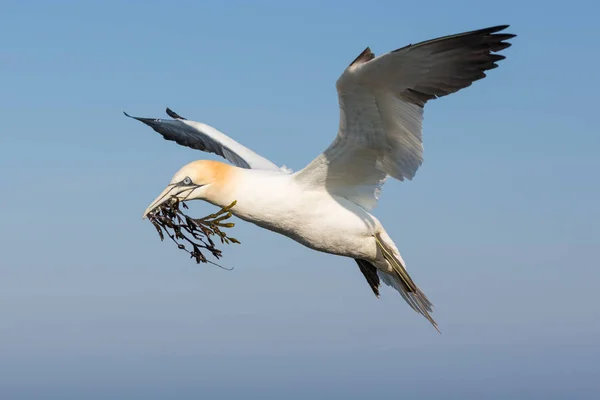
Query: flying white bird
[[325, 206]]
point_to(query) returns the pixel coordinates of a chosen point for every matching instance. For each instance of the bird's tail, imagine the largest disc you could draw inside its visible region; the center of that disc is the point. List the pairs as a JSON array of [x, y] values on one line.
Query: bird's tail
[[400, 280]]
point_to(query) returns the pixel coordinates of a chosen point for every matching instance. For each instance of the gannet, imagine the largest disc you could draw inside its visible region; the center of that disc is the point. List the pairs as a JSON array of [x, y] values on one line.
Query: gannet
[[326, 205]]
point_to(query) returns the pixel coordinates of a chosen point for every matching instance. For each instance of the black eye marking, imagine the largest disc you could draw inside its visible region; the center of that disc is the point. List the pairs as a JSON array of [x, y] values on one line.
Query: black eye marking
[[187, 181]]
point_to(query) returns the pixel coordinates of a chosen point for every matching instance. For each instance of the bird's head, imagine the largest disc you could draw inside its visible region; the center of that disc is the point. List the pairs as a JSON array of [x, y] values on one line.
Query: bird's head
[[198, 180]]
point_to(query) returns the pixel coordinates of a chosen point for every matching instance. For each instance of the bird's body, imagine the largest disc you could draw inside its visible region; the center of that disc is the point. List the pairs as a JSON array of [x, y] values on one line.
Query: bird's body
[[326, 205], [315, 218]]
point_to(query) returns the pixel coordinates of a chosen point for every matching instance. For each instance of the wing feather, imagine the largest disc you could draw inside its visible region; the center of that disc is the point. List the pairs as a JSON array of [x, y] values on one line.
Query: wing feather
[[203, 137], [381, 110]]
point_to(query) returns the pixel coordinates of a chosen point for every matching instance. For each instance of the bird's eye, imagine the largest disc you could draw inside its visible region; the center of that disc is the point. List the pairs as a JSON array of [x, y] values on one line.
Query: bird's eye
[[187, 181]]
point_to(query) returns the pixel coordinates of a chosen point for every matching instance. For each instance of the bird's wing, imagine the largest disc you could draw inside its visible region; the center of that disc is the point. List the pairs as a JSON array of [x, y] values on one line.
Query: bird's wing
[[203, 137], [381, 110]]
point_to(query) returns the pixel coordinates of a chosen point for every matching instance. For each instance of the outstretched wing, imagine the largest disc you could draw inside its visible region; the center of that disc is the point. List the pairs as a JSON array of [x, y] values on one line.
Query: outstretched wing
[[203, 137], [381, 110]]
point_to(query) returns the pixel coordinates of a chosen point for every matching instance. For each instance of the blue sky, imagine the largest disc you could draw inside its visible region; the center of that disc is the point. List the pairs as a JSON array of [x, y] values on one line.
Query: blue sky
[[499, 227]]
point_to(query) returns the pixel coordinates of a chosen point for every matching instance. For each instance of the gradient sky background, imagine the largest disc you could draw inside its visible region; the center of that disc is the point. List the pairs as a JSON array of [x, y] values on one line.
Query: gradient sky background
[[500, 226]]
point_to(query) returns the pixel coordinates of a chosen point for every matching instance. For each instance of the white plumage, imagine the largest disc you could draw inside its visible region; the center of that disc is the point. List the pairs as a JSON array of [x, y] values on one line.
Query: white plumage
[[325, 206]]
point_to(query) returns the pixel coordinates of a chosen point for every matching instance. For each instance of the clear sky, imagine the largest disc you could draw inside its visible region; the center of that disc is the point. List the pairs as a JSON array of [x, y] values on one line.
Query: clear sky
[[500, 227]]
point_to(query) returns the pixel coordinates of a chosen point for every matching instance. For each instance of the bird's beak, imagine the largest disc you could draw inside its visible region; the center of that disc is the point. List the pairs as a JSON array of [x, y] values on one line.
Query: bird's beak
[[167, 194]]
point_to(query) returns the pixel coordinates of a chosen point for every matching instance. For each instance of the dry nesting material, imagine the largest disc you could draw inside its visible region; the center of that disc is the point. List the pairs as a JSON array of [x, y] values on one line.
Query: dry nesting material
[[170, 220]]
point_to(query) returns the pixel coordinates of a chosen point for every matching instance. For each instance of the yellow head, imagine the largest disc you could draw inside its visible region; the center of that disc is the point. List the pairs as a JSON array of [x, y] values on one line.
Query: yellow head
[[198, 180]]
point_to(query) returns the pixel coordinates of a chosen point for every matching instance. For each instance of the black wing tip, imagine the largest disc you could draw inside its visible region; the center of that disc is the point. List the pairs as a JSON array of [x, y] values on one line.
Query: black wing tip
[[494, 32], [148, 121], [366, 55], [173, 114], [136, 118], [496, 28], [490, 32], [370, 273], [170, 112], [491, 39]]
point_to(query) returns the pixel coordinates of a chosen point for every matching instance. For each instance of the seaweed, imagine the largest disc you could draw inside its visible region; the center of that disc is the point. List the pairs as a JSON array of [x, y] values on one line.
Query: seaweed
[[169, 219]]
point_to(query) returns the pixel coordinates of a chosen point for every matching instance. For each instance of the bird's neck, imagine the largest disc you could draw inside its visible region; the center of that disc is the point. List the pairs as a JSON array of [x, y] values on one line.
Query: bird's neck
[[262, 197], [224, 179]]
